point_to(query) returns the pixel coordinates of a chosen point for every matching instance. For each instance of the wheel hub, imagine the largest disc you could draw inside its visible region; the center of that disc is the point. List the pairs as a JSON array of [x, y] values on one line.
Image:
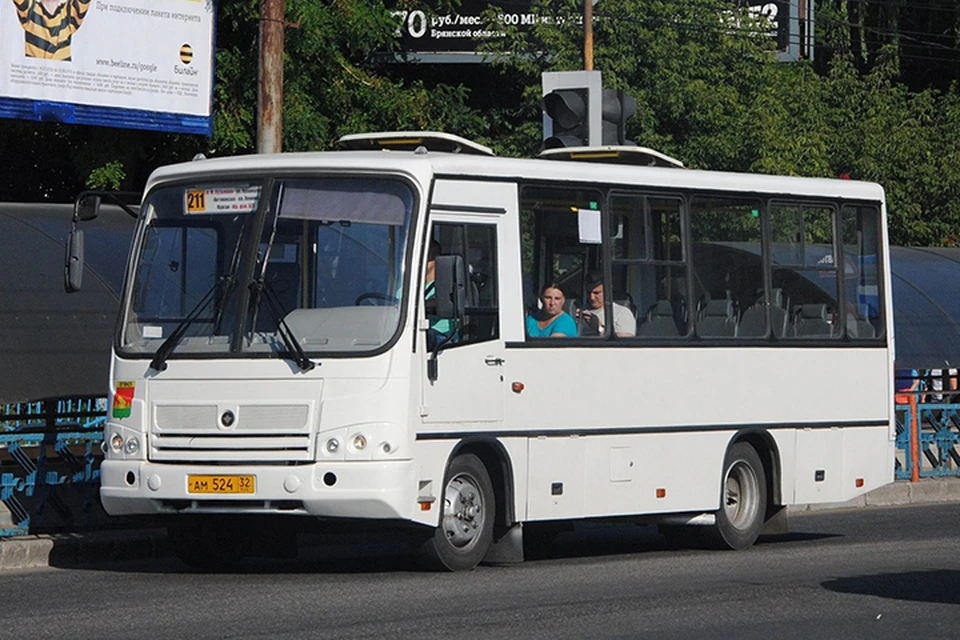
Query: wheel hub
[[462, 512], [741, 495]]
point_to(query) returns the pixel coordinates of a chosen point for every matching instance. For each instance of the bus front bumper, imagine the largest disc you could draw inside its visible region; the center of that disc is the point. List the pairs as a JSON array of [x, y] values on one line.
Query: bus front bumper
[[355, 489]]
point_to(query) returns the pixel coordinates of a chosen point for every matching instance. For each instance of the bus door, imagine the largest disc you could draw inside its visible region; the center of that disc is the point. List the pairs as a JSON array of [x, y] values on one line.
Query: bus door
[[469, 365]]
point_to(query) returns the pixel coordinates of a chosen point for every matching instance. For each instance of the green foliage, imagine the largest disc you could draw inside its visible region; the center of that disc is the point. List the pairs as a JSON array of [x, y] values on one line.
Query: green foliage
[[109, 176], [709, 90]]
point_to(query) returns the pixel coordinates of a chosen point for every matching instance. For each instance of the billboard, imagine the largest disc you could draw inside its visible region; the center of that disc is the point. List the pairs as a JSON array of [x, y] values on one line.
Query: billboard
[[142, 64], [455, 34]]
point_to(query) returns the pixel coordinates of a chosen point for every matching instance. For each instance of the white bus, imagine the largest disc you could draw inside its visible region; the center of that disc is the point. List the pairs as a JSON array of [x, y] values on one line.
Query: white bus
[[343, 336]]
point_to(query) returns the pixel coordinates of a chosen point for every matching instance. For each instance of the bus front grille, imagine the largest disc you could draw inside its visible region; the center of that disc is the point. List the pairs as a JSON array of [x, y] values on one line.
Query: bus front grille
[[218, 448], [261, 433]]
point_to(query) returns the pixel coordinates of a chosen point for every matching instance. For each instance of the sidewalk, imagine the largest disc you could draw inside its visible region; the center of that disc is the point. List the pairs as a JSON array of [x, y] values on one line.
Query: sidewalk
[[98, 547]]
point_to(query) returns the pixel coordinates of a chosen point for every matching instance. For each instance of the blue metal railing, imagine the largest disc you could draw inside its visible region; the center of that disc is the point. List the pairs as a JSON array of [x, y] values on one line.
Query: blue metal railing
[[939, 439], [49, 464]]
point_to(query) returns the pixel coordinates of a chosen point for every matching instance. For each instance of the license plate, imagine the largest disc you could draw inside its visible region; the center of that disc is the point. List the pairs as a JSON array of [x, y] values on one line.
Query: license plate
[[221, 484]]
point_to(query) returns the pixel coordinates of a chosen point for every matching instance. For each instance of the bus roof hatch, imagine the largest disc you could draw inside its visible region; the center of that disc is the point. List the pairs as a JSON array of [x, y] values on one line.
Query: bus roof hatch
[[411, 141], [613, 154]]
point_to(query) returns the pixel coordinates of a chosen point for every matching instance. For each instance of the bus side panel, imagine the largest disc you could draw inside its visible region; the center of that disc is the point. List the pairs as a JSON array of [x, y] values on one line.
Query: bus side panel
[[819, 465], [872, 460], [603, 475], [829, 463]]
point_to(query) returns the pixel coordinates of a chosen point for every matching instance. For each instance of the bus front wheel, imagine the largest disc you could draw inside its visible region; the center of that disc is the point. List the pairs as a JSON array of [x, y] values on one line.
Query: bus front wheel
[[743, 497], [466, 524]]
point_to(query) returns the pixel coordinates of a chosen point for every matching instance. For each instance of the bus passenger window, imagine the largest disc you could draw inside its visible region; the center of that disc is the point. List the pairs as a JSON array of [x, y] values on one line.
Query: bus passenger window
[[556, 258], [648, 265], [863, 302], [804, 258], [728, 268]]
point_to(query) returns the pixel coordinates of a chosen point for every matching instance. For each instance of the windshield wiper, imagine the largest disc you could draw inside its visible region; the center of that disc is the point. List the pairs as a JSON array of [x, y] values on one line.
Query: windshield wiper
[[262, 290], [159, 362]]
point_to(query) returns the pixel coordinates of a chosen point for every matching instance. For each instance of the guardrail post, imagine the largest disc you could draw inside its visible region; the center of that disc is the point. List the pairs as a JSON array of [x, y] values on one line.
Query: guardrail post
[[914, 440]]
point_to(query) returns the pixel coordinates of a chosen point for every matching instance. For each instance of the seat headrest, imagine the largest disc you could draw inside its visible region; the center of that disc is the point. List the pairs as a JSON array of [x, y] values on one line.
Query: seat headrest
[[776, 297], [813, 311], [719, 308], [662, 308]]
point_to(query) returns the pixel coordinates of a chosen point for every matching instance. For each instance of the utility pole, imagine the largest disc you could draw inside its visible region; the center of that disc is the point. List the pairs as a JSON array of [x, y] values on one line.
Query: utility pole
[[270, 77], [588, 35]]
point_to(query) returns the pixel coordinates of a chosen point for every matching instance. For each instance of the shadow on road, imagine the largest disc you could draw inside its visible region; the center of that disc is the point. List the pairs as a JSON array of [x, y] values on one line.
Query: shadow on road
[[938, 586], [385, 552]]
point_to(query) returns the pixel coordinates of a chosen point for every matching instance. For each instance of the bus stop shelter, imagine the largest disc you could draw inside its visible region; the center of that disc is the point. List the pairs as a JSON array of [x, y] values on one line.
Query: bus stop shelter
[[926, 306]]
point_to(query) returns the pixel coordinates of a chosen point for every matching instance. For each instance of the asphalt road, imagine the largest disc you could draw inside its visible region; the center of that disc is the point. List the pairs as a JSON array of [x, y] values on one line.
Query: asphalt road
[[860, 573]]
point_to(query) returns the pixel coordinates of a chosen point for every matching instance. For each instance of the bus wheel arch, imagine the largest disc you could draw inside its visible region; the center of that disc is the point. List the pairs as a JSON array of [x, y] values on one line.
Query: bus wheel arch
[[464, 532], [495, 462], [766, 447]]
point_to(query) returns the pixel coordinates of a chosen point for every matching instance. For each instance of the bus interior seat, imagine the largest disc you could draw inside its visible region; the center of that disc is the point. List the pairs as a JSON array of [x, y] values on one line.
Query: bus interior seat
[[626, 300], [860, 328], [717, 319], [811, 321], [659, 321], [778, 312], [754, 319]]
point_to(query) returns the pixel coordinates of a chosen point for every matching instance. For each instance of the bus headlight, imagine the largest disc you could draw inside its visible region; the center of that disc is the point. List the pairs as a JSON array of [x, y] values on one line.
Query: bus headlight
[[116, 442], [333, 445], [359, 442], [132, 446]]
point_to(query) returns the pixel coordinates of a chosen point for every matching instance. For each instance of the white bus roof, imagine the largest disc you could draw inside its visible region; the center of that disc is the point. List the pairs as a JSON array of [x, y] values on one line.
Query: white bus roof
[[466, 166]]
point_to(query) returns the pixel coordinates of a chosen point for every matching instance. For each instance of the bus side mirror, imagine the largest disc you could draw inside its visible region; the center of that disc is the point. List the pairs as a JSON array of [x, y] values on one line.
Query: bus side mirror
[[86, 207], [450, 282], [73, 262]]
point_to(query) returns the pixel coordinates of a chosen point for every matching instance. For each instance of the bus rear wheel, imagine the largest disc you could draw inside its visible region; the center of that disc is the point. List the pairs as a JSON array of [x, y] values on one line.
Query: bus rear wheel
[[743, 498], [466, 524]]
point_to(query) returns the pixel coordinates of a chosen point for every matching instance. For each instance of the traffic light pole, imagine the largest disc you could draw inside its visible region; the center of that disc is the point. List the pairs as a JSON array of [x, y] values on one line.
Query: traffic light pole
[[270, 77], [588, 35]]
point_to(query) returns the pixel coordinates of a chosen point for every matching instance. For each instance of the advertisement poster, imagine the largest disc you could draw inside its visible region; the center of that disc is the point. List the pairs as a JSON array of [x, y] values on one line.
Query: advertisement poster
[[454, 34], [130, 63]]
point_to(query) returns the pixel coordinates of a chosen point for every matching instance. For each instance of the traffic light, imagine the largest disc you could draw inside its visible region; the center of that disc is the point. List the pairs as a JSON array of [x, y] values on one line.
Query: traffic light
[[569, 111], [571, 108], [617, 107]]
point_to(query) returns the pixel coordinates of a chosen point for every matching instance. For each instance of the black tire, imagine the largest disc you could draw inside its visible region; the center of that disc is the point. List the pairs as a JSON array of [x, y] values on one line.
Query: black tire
[[466, 522], [743, 498], [207, 544]]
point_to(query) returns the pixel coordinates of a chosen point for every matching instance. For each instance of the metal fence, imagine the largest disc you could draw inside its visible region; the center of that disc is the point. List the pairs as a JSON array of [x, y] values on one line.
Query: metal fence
[[49, 465], [937, 428]]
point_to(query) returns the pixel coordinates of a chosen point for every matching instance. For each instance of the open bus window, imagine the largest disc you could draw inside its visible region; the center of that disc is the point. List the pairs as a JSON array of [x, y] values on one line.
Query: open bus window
[[552, 250]]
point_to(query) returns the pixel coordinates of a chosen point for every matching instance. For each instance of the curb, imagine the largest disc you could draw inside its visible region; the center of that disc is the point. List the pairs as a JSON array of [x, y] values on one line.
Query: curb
[[898, 493], [123, 545], [81, 549]]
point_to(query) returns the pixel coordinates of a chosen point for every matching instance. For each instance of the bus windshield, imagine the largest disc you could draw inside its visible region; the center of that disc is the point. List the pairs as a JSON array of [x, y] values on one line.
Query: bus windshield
[[227, 268]]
